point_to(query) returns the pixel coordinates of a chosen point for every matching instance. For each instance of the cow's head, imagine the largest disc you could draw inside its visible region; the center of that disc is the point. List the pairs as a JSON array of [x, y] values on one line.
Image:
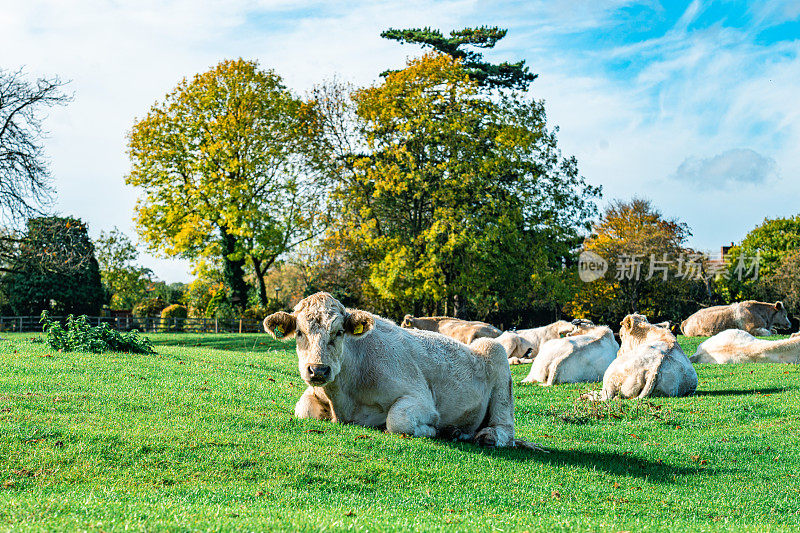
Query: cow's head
[[636, 329], [780, 319], [633, 330], [580, 326], [408, 322], [320, 323]]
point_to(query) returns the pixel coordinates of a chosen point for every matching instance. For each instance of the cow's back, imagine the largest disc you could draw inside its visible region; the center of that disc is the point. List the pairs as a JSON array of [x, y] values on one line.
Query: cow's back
[[711, 320], [392, 362], [467, 331]]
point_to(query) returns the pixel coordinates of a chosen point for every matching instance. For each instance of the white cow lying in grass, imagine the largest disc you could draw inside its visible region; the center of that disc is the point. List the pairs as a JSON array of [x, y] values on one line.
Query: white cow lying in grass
[[363, 369], [737, 346], [649, 363], [582, 356], [523, 345]]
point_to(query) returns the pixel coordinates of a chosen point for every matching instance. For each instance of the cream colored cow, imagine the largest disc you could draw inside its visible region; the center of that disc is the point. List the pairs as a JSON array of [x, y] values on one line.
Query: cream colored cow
[[582, 356], [756, 318], [737, 346], [363, 369], [464, 331], [649, 363], [523, 345]]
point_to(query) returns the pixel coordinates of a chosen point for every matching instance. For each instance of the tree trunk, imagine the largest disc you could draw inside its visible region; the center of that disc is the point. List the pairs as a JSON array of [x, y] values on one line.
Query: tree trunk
[[260, 270], [233, 272]]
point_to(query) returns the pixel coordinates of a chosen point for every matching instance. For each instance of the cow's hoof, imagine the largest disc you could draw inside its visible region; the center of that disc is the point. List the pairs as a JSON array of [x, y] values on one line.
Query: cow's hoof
[[425, 431], [486, 437], [453, 434], [494, 437]]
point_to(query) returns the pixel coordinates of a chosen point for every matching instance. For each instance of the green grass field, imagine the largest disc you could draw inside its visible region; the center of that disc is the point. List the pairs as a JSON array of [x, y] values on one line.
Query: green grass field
[[201, 437]]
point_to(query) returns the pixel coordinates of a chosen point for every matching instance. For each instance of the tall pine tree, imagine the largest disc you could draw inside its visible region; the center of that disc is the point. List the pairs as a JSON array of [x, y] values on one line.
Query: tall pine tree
[[502, 75]]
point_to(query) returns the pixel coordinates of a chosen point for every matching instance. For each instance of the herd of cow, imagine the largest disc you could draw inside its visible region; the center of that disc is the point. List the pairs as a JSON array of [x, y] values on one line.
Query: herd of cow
[[450, 378]]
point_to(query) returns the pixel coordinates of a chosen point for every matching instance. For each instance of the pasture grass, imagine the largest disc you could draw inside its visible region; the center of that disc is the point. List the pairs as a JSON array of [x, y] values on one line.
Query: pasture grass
[[200, 437]]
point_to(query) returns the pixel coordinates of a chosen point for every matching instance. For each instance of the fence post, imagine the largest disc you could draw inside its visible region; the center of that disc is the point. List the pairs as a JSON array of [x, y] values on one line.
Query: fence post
[[20, 324], [216, 325], [240, 325]]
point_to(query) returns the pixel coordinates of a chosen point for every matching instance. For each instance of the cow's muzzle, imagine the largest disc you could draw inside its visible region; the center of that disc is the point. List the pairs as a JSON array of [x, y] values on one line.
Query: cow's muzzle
[[318, 374]]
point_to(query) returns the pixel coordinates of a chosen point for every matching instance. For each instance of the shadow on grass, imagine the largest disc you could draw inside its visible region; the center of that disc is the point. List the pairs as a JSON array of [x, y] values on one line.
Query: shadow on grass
[[740, 392], [616, 464]]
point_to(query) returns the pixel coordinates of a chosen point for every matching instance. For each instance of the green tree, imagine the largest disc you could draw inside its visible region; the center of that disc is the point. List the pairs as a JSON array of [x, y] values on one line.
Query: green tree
[[766, 247], [454, 194], [223, 163], [32, 285], [503, 75], [126, 281]]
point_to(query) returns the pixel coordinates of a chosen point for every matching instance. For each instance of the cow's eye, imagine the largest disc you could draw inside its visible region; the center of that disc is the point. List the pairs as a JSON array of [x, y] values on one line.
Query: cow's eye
[[299, 334]]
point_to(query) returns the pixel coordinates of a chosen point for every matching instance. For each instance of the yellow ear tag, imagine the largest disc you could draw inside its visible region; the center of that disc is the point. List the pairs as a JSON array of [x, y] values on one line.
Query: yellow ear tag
[[358, 329], [279, 331]]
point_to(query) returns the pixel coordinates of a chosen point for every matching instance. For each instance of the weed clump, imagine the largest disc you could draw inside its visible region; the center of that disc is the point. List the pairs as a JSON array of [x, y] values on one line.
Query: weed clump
[[79, 335], [585, 410]]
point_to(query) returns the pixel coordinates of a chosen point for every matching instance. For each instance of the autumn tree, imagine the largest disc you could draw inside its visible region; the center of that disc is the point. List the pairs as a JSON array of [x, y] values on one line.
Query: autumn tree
[[650, 269], [222, 163], [126, 282], [502, 75], [455, 198]]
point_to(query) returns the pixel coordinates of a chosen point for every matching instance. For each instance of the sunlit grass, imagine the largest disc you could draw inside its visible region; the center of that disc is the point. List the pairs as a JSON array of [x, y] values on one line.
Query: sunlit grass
[[200, 436]]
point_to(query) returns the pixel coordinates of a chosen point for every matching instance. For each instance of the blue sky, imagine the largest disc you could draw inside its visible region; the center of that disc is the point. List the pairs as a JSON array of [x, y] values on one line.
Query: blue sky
[[691, 104]]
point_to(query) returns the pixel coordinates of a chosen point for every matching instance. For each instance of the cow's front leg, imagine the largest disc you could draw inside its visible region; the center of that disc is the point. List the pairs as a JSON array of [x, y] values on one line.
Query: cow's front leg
[[311, 406], [762, 332], [411, 415]]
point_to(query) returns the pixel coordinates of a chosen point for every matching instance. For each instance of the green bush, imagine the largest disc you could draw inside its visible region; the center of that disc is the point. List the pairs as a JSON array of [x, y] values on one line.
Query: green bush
[[173, 311], [150, 307], [256, 313], [79, 335]]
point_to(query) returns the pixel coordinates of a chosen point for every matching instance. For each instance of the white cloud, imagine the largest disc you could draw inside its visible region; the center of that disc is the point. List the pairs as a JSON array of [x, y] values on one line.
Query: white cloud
[[733, 168]]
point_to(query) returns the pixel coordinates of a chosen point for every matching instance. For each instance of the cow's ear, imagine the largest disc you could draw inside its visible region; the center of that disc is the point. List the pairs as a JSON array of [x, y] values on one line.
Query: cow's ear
[[358, 323], [280, 325], [627, 322], [779, 306]]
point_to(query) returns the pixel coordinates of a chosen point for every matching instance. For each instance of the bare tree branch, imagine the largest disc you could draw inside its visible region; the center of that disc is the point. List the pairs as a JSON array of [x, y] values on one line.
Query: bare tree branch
[[24, 174]]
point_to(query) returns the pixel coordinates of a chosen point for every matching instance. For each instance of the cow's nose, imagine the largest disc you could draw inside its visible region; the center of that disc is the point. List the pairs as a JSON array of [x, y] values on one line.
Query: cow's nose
[[319, 371]]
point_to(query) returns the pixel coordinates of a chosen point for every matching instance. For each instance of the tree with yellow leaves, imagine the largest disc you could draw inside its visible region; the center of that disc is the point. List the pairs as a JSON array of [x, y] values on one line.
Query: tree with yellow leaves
[[647, 267], [223, 165], [455, 197]]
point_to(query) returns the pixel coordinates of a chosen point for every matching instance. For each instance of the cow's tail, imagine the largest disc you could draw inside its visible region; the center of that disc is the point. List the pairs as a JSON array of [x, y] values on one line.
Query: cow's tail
[[651, 380], [683, 326]]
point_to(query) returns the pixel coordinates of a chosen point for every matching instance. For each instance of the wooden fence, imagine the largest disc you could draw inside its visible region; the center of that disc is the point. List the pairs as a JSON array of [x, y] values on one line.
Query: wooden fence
[[143, 324]]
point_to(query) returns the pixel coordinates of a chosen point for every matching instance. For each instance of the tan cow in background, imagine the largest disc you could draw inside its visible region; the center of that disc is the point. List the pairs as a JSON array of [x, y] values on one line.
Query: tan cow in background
[[464, 331], [649, 363], [523, 345], [363, 369], [737, 346], [756, 318]]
